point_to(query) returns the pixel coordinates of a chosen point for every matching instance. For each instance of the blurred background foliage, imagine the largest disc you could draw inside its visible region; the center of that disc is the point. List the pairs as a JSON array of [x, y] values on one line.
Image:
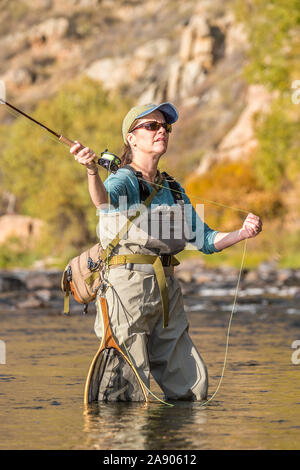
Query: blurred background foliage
[[268, 183], [273, 33], [43, 175], [47, 183]]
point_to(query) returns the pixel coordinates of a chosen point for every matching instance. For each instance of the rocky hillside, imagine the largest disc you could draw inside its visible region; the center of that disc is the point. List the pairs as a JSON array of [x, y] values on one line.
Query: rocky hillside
[[191, 53]]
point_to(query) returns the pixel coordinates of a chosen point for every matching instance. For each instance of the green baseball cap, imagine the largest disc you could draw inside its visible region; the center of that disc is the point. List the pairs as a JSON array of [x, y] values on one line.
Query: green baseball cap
[[168, 109]]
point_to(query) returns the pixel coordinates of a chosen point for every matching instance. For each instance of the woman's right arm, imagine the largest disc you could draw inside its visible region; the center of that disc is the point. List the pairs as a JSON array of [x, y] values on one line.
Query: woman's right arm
[[96, 187]]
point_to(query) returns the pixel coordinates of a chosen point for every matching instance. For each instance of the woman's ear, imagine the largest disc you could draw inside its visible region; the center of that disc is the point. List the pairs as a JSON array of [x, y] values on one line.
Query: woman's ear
[[131, 139]]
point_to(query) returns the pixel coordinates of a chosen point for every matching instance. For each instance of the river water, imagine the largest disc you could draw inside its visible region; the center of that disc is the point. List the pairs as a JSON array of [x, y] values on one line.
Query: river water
[[256, 407]]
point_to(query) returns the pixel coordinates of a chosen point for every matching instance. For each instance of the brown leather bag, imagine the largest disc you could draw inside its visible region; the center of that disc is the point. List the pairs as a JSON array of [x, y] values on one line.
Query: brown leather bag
[[82, 277]]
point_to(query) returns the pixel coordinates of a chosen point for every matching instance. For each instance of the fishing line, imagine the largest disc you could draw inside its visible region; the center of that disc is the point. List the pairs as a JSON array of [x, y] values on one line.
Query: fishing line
[[239, 276], [231, 314], [124, 345], [228, 329], [128, 354], [33, 122], [16, 115], [196, 197], [148, 389], [236, 291], [234, 301]]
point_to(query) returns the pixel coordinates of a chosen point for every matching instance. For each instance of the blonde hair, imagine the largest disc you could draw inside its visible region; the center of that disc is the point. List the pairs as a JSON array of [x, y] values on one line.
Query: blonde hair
[[126, 156]]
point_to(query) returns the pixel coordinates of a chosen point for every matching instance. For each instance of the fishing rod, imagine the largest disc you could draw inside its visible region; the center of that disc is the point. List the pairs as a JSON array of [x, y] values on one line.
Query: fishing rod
[[108, 160], [111, 162]]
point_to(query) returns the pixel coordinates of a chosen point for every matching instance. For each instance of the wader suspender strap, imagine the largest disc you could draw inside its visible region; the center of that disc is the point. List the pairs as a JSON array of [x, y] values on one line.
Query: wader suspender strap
[[108, 252], [144, 189], [146, 259], [174, 186], [159, 272], [108, 258]]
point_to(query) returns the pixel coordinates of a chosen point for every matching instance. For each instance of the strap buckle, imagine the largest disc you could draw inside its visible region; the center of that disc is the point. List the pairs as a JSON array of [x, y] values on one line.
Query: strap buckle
[[166, 260]]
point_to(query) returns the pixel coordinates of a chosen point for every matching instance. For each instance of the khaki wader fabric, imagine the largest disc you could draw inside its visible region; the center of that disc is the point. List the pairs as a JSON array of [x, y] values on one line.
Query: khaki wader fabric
[[135, 312], [117, 381]]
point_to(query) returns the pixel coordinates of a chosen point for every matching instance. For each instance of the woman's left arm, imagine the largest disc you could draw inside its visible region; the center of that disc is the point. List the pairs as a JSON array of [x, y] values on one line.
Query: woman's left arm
[[252, 226]]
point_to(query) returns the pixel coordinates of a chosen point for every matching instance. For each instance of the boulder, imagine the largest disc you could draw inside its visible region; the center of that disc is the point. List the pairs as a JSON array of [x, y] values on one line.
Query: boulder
[[20, 77], [13, 44], [152, 50], [267, 271], [39, 4], [203, 51], [43, 294], [112, 72], [43, 280], [195, 38], [199, 24], [30, 302], [191, 76], [251, 277], [9, 282], [52, 28], [22, 227], [240, 141], [286, 276], [186, 45], [184, 276], [173, 79]]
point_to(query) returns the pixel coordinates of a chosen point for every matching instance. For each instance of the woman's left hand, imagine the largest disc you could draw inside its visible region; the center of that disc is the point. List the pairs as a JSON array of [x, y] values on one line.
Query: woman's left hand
[[252, 226]]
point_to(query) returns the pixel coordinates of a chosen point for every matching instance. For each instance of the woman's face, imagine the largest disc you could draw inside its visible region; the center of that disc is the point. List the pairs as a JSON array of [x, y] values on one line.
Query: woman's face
[[155, 142]]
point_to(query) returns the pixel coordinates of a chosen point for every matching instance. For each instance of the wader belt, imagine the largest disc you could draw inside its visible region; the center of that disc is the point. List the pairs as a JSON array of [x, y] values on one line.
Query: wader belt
[[158, 263], [146, 268]]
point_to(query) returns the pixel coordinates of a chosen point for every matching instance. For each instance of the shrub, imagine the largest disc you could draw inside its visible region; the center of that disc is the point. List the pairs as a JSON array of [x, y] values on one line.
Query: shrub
[[43, 175]]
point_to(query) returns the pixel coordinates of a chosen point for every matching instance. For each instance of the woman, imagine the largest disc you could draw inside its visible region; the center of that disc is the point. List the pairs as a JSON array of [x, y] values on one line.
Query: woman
[[135, 301]]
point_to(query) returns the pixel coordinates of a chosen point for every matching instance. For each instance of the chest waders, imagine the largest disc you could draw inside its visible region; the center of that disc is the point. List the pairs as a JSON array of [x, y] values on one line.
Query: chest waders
[[112, 375]]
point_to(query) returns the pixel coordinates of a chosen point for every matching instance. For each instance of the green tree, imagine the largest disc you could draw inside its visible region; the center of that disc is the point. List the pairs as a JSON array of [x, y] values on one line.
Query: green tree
[[273, 29], [273, 32], [277, 160], [41, 172]]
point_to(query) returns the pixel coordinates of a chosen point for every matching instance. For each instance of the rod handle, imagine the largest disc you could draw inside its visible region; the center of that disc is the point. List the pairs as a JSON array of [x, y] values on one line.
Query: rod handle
[[66, 141], [70, 144]]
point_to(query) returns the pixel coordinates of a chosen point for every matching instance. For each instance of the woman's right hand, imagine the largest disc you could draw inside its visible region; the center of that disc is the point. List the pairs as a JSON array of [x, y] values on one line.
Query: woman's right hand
[[85, 156]]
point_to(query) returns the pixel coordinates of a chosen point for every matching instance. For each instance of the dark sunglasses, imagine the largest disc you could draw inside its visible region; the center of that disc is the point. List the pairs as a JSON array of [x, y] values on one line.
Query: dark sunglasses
[[154, 126]]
